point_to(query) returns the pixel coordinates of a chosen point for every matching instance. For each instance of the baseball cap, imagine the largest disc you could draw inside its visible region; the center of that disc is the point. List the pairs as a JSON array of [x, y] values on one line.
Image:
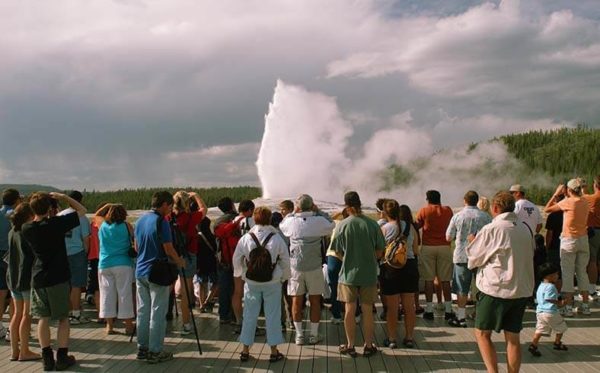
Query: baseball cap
[[574, 184], [517, 188]]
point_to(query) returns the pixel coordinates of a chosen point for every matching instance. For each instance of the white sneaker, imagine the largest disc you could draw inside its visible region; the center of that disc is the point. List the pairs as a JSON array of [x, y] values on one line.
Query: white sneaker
[[335, 321], [567, 311], [300, 340], [585, 309], [314, 339]]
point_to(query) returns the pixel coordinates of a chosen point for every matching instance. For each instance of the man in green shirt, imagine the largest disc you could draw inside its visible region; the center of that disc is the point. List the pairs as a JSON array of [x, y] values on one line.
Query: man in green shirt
[[361, 241]]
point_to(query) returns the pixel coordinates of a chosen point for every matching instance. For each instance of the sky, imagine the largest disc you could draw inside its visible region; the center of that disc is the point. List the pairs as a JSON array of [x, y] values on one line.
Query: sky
[[129, 93]]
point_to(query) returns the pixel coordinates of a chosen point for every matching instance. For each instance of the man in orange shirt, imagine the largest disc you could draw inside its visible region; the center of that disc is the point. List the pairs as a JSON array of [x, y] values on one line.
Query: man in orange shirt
[[436, 256], [593, 224]]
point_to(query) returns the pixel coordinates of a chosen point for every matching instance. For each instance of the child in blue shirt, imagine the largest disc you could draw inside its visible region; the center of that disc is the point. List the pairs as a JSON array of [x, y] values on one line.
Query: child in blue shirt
[[548, 317]]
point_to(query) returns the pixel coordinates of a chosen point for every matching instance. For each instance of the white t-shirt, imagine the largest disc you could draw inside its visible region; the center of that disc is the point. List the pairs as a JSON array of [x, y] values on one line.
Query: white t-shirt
[[529, 213]]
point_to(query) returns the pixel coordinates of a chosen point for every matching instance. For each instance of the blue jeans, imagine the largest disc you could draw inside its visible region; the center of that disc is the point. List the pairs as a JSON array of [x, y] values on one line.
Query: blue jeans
[[153, 301], [225, 293], [333, 273], [254, 295]]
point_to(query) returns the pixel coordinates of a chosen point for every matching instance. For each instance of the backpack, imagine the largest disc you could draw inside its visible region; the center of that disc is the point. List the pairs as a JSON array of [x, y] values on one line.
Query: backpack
[[396, 252], [259, 265]]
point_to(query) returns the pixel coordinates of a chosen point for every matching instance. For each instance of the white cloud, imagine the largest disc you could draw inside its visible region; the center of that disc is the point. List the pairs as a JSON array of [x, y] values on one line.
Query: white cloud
[[101, 93], [489, 54]]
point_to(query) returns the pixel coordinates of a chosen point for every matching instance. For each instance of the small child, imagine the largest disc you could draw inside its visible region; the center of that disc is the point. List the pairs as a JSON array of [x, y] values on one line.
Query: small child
[[548, 317]]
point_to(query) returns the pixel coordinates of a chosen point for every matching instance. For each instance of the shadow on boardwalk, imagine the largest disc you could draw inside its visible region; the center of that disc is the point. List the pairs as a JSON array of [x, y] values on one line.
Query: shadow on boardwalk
[[438, 348]]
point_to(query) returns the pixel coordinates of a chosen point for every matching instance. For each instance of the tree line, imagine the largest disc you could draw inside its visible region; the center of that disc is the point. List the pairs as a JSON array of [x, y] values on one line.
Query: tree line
[[562, 154], [140, 198]]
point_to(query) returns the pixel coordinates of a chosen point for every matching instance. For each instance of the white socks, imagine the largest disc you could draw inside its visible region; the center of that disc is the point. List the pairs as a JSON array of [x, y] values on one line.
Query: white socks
[[461, 313], [448, 307], [314, 328], [298, 327]]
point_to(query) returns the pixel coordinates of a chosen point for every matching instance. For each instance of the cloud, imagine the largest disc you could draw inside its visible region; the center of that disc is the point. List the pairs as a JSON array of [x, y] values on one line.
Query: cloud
[[101, 94], [491, 55]]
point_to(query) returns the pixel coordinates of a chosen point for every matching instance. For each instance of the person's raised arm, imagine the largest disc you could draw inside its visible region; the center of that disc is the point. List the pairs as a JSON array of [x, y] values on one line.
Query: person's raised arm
[[201, 205], [81, 210], [552, 205]]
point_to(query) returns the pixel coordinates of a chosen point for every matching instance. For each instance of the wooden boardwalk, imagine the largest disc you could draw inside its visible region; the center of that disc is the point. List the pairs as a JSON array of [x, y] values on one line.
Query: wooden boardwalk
[[438, 348]]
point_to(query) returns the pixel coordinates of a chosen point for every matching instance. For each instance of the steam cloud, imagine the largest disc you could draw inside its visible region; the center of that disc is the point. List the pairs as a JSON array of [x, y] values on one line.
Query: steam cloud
[[305, 149]]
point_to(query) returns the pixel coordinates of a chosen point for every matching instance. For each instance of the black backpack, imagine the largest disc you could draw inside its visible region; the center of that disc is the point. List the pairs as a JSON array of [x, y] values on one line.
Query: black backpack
[[259, 265]]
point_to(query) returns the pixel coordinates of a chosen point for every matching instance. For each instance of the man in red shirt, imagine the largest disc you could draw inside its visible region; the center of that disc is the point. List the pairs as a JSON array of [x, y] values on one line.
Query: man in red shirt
[[436, 256]]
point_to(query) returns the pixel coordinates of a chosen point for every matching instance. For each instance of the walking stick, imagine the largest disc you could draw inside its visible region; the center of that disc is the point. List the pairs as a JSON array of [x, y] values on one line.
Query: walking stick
[[191, 308]]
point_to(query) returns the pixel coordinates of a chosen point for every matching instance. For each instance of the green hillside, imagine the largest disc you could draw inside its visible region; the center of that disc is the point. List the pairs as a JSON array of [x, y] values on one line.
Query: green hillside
[[139, 199], [562, 154], [29, 188]]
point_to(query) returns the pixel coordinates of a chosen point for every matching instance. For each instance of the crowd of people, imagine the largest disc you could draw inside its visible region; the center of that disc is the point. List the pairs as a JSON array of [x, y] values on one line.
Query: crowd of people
[[253, 261]]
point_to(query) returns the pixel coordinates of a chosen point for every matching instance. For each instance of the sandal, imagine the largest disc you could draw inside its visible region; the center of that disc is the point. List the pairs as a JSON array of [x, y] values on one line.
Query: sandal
[[560, 346], [345, 350], [370, 350], [244, 356], [408, 343], [533, 349], [276, 357]]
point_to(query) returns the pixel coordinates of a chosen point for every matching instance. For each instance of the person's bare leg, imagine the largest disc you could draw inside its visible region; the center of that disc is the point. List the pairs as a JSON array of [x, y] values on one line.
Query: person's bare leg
[[429, 287], [446, 291], [487, 350], [24, 330], [536, 339], [62, 334], [391, 318], [44, 332], [110, 324], [410, 317], [438, 290], [15, 322], [350, 323], [315, 308], [185, 302], [369, 322], [75, 298], [513, 351]]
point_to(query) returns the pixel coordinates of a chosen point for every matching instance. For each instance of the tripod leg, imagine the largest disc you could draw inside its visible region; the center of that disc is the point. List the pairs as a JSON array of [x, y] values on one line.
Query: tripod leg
[[187, 291]]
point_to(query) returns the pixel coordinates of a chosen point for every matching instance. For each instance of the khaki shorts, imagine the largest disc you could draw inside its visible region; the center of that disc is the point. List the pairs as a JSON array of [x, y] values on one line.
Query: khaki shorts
[[548, 322], [52, 302], [309, 282], [436, 261], [349, 294]]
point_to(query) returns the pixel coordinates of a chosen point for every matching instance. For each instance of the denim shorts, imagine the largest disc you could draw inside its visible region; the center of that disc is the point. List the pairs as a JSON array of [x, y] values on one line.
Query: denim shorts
[[78, 266], [21, 295], [190, 265], [461, 279]]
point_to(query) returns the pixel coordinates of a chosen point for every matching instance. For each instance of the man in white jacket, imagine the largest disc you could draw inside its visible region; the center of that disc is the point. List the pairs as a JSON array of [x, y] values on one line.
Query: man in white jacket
[[269, 292], [305, 228], [502, 253]]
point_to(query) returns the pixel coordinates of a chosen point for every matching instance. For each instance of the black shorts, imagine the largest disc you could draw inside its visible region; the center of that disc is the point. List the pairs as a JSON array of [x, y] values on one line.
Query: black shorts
[[397, 281], [92, 280], [499, 314]]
